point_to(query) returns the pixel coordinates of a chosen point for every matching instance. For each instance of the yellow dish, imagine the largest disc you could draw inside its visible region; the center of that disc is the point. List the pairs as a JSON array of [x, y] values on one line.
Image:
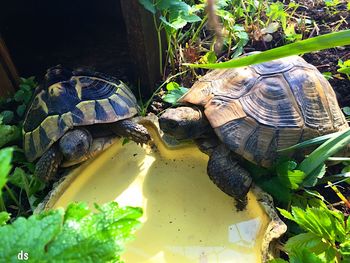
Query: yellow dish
[[186, 217]]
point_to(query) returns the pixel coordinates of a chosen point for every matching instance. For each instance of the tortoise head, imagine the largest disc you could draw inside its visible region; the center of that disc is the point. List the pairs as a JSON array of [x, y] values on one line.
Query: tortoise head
[[184, 123]]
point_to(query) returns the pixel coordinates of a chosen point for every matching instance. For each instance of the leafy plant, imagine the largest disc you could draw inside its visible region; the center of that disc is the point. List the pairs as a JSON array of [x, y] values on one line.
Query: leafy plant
[[327, 236], [175, 91], [76, 235], [173, 15], [344, 67], [21, 178]]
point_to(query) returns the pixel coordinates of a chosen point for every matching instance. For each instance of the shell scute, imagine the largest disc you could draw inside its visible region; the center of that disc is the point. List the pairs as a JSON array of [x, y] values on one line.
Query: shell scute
[[65, 100], [260, 109]]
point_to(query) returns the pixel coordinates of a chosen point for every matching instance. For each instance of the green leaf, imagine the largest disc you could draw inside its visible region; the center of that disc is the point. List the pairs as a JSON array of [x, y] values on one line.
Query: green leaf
[[9, 133], [7, 116], [4, 217], [285, 213], [174, 95], [312, 165], [30, 235], [344, 250], [309, 241], [304, 256], [328, 75], [25, 181], [341, 38], [172, 86], [19, 95], [275, 187], [288, 176], [77, 236], [314, 176], [148, 5], [313, 141], [21, 109], [209, 57], [5, 166], [98, 237], [320, 221]]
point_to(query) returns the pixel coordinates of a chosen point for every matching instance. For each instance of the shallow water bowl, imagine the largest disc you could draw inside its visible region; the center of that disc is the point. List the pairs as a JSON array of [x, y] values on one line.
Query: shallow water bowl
[[186, 217]]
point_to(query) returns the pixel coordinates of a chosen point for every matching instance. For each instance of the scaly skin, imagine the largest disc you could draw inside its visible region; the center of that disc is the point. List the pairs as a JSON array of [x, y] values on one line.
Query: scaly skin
[[47, 166], [131, 130], [224, 170]]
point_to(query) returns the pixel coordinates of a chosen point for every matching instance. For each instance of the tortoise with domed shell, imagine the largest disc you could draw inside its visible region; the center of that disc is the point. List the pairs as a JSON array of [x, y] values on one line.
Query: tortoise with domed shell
[[73, 115], [251, 113]]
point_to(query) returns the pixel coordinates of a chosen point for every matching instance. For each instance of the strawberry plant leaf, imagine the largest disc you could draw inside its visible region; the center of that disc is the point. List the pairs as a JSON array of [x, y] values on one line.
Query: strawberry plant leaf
[[78, 235]]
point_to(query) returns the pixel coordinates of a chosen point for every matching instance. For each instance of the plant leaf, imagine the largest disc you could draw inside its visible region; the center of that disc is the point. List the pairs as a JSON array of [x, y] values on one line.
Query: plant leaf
[[9, 133], [341, 38], [316, 159], [148, 5], [77, 236], [4, 217], [5, 166]]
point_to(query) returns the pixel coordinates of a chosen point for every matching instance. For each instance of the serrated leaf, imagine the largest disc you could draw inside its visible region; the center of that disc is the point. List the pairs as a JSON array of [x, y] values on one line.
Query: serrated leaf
[[77, 236], [148, 5], [320, 221], [304, 256], [285, 213], [309, 240], [30, 235]]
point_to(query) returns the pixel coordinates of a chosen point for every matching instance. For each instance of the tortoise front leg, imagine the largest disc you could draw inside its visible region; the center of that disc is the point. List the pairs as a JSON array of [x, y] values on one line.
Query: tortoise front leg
[[225, 171], [129, 129], [46, 167]]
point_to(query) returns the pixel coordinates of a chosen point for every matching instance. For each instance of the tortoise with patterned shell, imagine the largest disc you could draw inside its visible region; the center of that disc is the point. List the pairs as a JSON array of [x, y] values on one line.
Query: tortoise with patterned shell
[[73, 115], [252, 112]]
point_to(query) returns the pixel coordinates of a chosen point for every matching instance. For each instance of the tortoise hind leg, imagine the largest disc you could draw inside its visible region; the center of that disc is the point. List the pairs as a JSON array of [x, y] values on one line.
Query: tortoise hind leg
[[46, 167], [129, 129], [229, 176]]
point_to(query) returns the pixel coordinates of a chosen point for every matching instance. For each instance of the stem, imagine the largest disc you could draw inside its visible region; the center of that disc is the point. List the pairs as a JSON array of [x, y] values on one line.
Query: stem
[[11, 195], [158, 29], [158, 89], [2, 204], [196, 34]]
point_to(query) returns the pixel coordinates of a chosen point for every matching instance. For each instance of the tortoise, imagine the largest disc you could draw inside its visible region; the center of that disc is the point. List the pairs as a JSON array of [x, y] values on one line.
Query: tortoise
[[249, 113], [73, 114]]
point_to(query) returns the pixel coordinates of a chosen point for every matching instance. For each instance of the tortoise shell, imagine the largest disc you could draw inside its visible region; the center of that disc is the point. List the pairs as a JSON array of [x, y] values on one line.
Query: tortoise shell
[[259, 109], [73, 98]]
